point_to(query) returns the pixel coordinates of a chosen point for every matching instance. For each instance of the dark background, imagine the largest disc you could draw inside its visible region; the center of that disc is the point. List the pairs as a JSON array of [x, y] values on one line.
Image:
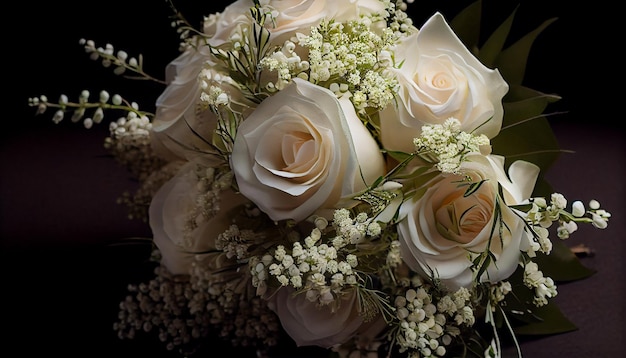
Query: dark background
[[61, 278]]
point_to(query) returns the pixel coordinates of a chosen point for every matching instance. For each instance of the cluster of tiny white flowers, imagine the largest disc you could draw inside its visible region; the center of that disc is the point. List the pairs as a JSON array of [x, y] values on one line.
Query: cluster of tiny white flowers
[[212, 86], [498, 292], [448, 145], [544, 287], [229, 307], [347, 58], [320, 267], [236, 242], [398, 20], [138, 202], [353, 230], [287, 63], [210, 183], [161, 304], [427, 324], [394, 258]]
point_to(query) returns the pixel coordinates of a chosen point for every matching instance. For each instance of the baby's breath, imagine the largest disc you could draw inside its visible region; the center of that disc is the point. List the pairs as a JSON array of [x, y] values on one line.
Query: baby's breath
[[448, 145]]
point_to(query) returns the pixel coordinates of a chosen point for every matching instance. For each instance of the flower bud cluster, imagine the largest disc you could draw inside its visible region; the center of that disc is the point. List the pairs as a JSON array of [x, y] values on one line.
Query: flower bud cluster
[[544, 287], [498, 292], [80, 108], [120, 59], [542, 214]]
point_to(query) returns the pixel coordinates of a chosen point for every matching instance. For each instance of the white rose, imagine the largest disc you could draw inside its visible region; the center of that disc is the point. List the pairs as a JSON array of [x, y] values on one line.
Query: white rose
[[182, 127], [440, 78], [291, 16], [176, 109], [300, 15], [310, 325], [220, 26], [302, 150], [440, 229], [179, 230]]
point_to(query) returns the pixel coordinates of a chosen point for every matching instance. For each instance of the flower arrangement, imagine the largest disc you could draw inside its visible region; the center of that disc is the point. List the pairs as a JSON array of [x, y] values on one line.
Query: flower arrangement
[[330, 174]]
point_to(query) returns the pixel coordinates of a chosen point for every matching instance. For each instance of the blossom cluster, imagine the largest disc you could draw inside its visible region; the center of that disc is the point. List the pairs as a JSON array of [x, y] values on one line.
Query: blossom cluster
[[327, 170]]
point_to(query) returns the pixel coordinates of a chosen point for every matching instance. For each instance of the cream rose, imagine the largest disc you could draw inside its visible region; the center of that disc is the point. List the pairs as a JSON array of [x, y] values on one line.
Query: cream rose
[[310, 325], [182, 127], [439, 230], [440, 78], [302, 150], [179, 228], [290, 16]]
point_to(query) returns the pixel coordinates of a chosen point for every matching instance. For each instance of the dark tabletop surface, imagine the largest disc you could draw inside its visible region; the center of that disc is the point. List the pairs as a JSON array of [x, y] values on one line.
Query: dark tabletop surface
[[62, 281]]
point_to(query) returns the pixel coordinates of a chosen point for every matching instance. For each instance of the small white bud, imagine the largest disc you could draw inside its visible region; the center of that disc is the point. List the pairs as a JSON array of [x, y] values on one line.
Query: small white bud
[[598, 221], [41, 108], [104, 96], [98, 115], [594, 204], [58, 116], [122, 55], [578, 208], [88, 123], [117, 99], [391, 185], [119, 70]]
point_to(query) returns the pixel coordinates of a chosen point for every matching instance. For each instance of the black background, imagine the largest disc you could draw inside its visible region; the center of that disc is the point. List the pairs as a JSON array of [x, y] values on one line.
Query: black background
[[61, 281]]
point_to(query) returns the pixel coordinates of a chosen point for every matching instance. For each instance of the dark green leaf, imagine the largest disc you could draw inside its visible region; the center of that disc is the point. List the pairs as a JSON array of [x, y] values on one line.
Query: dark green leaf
[[522, 103], [562, 264], [512, 61], [531, 140], [495, 43], [553, 322], [466, 25]]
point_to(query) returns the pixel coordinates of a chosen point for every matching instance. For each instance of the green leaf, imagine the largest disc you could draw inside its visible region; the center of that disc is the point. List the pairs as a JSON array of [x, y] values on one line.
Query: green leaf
[[552, 322], [528, 319], [466, 25], [495, 43], [512, 61], [562, 264], [531, 140], [522, 103]]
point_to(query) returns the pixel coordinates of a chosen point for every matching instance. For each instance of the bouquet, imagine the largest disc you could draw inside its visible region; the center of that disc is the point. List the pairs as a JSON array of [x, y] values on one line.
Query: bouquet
[[330, 174]]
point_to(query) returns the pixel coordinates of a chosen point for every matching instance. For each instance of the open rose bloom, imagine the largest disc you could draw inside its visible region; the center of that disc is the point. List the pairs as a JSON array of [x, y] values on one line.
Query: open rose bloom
[[325, 169]]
